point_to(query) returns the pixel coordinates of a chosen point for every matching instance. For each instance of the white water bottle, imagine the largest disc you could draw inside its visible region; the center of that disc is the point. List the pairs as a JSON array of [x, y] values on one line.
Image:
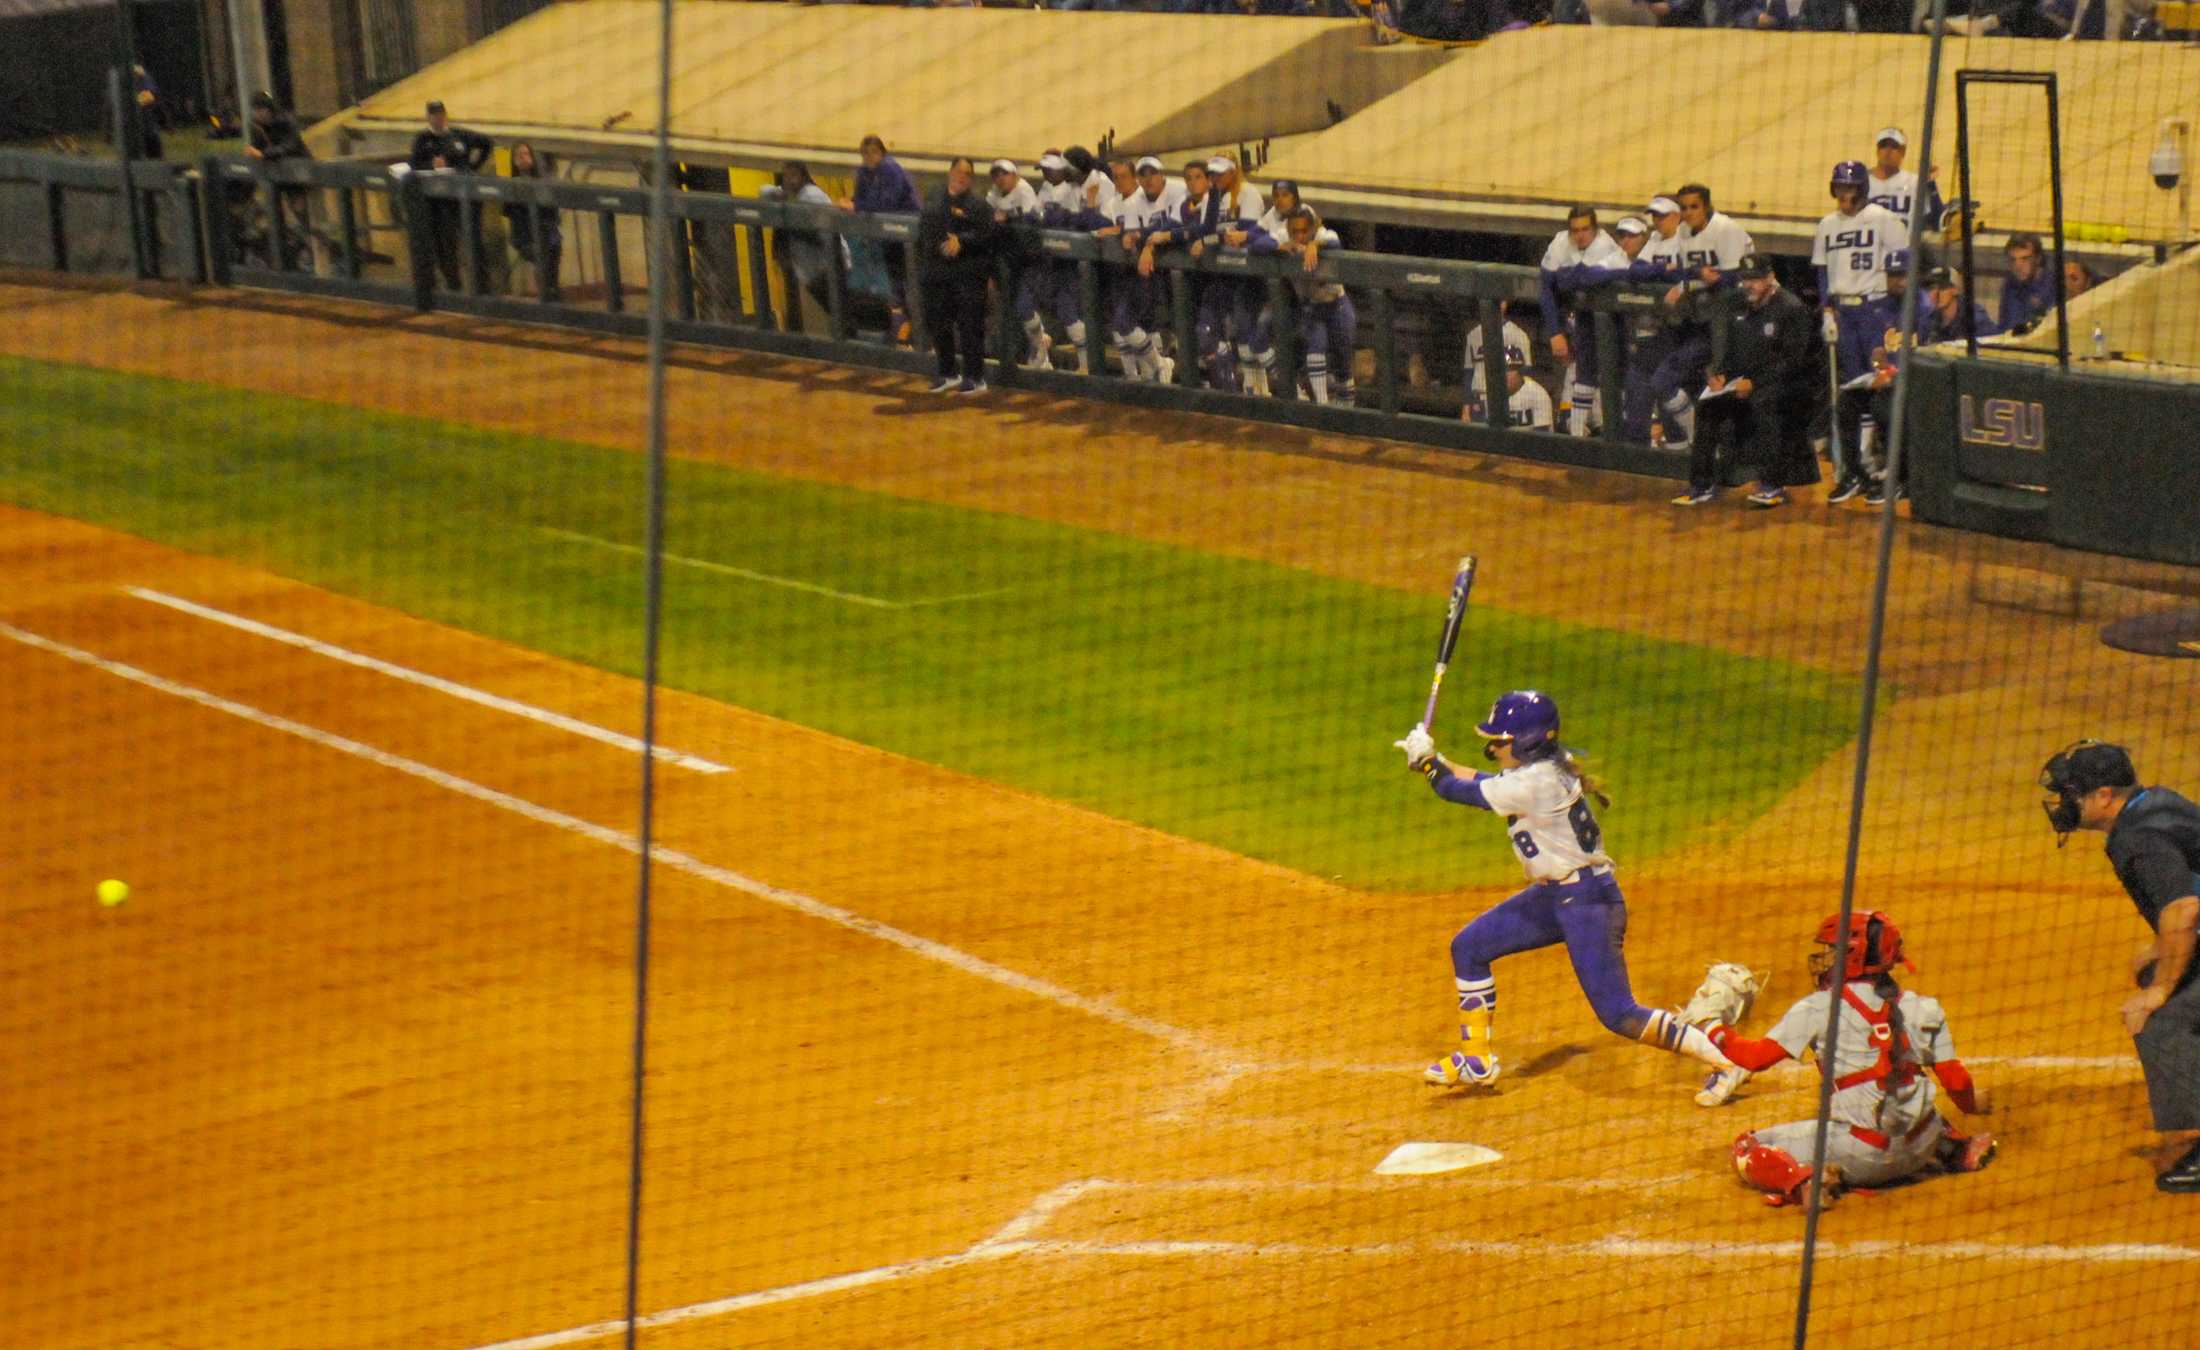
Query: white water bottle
[[2100, 344]]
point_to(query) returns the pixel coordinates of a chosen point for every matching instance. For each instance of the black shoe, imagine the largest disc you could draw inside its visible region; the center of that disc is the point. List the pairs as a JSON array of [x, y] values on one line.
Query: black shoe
[[1843, 490], [2183, 1176], [1876, 495]]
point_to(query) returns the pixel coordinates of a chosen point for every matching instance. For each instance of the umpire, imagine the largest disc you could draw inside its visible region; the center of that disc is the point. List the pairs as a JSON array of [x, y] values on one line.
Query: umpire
[[1765, 391], [2154, 845]]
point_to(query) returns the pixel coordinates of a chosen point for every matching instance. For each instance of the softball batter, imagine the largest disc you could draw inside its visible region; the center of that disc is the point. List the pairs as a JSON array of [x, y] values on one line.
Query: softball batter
[[1884, 1127], [1571, 898]]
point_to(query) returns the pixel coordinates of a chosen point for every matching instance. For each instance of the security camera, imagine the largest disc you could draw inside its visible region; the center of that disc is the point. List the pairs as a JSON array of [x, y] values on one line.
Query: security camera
[[2167, 164]]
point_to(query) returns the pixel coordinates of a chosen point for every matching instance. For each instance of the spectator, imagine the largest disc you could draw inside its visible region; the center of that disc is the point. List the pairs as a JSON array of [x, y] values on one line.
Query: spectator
[[813, 255], [1328, 327], [1527, 403], [1793, 16], [1150, 205], [1015, 203], [443, 148], [955, 239], [1447, 20], [1677, 13], [1516, 353], [142, 127], [2029, 292], [1851, 252], [2077, 278], [272, 138], [1763, 395], [1239, 208], [1945, 321], [1895, 187], [883, 186], [534, 229], [1573, 336]]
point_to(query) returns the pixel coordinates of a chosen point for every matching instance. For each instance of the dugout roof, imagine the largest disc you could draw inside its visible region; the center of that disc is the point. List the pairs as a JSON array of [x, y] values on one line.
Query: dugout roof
[[754, 83], [1515, 130]]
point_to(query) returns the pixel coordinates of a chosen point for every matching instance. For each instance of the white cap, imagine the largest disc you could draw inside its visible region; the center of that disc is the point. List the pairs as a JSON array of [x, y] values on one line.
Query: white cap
[[1146, 162], [1894, 134], [1050, 160], [1629, 225], [1663, 206], [1221, 164], [1004, 166]]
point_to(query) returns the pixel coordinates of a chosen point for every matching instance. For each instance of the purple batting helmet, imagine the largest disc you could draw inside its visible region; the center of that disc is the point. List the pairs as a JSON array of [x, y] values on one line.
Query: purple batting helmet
[[1526, 718], [1850, 173]]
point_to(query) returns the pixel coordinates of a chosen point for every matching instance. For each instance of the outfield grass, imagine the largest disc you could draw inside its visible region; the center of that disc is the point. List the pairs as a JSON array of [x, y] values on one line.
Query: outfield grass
[[1230, 701]]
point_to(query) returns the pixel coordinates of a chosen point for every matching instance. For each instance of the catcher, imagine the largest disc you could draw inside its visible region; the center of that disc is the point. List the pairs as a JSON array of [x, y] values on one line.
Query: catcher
[[1884, 1127]]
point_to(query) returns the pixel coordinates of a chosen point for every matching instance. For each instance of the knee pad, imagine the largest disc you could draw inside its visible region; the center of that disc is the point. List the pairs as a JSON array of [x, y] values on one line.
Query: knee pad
[[1773, 1170]]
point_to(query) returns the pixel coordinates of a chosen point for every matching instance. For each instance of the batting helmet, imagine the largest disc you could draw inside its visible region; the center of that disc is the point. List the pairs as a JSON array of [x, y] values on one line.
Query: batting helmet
[[1849, 173], [1524, 717], [1873, 947], [2078, 770]]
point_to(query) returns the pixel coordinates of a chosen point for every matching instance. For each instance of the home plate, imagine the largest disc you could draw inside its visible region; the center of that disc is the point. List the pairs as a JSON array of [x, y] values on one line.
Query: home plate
[[1412, 1160]]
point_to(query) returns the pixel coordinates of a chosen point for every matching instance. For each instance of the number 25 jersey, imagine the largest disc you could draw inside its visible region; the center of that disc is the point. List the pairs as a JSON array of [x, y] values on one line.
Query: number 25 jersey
[[1553, 829]]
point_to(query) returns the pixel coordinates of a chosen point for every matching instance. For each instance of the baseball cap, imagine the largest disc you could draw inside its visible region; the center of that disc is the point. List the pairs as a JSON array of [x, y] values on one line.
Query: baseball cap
[[1663, 206], [1629, 225], [1891, 135], [1221, 164], [1149, 163], [1004, 166], [1754, 265], [1290, 185], [1939, 277], [1898, 260], [435, 106], [1052, 160]]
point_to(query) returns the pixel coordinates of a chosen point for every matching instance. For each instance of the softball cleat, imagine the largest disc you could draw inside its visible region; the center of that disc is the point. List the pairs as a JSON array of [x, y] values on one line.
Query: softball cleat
[[1720, 1085], [1459, 1069]]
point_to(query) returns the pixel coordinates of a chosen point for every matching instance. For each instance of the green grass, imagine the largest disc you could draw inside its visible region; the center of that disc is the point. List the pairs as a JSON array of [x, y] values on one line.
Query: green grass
[[1236, 702]]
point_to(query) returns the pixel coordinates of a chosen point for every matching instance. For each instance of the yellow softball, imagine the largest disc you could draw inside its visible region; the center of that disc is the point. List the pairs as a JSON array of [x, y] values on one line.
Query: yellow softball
[[113, 892]]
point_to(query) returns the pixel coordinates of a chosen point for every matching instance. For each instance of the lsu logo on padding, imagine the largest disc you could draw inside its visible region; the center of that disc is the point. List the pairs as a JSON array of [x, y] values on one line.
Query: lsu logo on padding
[[2016, 423]]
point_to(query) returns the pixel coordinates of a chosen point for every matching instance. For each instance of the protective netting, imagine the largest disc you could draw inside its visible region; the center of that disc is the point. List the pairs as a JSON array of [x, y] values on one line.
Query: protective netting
[[1043, 941]]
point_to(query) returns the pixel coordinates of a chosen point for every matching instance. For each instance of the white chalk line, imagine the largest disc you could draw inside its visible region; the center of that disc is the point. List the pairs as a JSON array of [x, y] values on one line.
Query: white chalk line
[[766, 578], [456, 690], [2114, 1066], [1018, 1237], [666, 857]]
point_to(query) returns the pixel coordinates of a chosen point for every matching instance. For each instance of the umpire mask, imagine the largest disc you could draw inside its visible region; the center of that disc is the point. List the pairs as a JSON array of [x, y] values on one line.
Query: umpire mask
[[2075, 772]]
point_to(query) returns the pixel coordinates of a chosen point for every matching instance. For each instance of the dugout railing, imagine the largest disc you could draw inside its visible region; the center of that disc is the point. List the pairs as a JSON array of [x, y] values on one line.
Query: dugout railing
[[1996, 461]]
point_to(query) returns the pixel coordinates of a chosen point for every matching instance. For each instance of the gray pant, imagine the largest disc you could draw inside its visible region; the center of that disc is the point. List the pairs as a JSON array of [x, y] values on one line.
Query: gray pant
[[1861, 1164], [2169, 1051]]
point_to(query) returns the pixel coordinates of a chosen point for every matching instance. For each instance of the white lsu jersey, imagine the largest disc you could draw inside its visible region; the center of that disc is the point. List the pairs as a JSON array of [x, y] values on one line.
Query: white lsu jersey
[[1854, 249], [1017, 203], [1106, 203], [1602, 252], [1141, 212], [1722, 244], [1869, 1103], [1065, 195], [1530, 407], [1895, 192], [1516, 351], [1244, 207], [1554, 832]]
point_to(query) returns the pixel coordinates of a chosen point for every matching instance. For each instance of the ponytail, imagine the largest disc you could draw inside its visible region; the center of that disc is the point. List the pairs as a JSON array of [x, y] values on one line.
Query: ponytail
[[1578, 769]]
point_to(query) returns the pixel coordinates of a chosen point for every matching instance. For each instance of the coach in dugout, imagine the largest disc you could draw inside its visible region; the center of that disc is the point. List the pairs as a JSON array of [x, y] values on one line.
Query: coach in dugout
[[2154, 845], [955, 241], [1762, 395]]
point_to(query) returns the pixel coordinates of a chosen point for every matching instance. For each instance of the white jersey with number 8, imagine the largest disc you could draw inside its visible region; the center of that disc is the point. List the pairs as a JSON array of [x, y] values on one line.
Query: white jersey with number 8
[[1553, 829]]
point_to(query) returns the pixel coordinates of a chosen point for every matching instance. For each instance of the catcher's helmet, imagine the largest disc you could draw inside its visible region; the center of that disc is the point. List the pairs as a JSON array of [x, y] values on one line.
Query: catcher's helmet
[[1526, 718], [1849, 173], [2077, 770], [1873, 947]]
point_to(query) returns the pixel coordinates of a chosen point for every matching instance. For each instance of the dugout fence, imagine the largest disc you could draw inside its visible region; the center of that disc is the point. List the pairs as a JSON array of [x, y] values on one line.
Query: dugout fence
[[1036, 941]]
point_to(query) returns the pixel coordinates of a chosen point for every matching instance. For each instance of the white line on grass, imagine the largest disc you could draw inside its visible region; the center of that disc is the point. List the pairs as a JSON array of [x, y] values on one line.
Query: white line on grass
[[681, 862], [424, 680], [1018, 1237], [766, 578]]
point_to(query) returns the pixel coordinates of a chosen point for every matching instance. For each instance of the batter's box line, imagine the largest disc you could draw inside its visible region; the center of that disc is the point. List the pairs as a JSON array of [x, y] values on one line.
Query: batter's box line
[[1018, 1238]]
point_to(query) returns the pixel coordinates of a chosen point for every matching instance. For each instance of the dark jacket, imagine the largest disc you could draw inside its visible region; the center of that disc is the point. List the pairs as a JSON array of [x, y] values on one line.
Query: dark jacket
[[969, 219], [463, 151], [886, 188], [278, 140], [1775, 346]]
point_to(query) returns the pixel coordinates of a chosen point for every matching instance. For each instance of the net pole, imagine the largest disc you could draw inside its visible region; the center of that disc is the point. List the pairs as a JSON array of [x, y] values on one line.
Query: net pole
[[1829, 1042], [660, 235]]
